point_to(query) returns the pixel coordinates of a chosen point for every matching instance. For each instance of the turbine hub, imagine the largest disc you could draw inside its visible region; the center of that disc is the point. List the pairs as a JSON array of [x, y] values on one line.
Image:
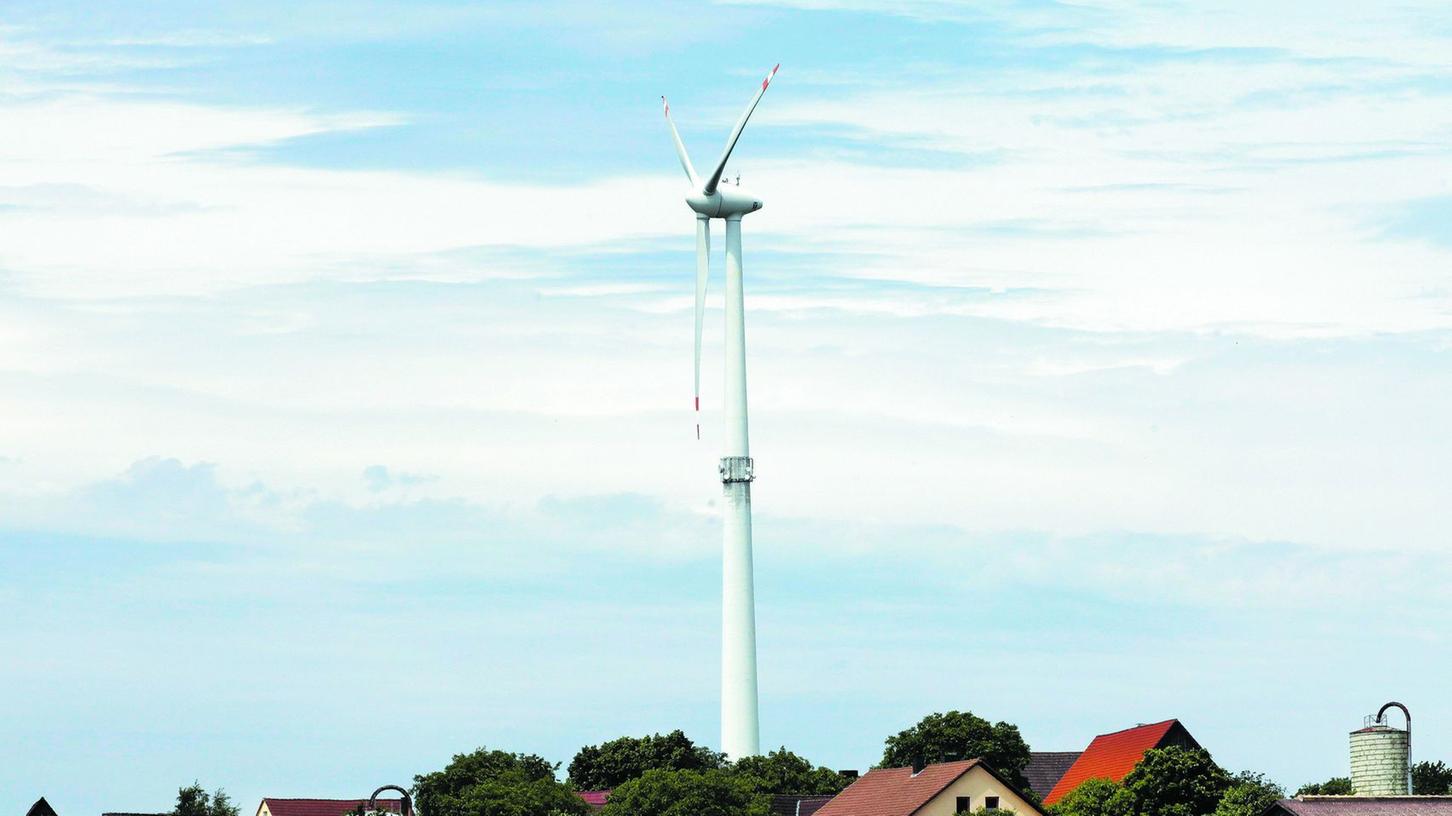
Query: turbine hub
[[724, 202]]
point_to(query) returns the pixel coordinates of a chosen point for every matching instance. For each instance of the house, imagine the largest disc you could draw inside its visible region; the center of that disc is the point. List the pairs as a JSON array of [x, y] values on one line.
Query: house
[[595, 799], [934, 790], [792, 804], [40, 808], [1113, 756], [1046, 768], [323, 807], [1362, 806]]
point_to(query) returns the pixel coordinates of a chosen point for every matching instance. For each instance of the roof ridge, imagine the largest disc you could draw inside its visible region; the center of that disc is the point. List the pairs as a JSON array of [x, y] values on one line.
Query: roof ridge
[[1114, 755], [1138, 727]]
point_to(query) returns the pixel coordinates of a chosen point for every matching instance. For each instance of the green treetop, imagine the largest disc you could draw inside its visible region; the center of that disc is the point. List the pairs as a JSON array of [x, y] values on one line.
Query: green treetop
[[610, 764], [496, 783], [194, 800], [954, 735]]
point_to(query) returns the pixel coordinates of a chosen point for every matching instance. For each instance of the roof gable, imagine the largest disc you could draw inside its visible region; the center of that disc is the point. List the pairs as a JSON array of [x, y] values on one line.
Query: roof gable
[[1113, 756], [900, 792], [895, 791]]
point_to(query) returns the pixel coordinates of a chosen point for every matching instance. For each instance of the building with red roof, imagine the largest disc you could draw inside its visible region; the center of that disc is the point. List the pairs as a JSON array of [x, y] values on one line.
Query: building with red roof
[[595, 799], [1113, 756], [1362, 806], [1046, 768], [790, 804], [943, 789], [272, 806]]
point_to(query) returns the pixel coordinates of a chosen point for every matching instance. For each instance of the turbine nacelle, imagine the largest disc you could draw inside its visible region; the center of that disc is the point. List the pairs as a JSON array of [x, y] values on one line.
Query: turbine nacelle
[[713, 197], [723, 203]]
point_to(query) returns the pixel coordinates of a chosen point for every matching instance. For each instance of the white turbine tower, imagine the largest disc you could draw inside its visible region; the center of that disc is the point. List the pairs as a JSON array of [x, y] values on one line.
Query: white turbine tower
[[739, 724]]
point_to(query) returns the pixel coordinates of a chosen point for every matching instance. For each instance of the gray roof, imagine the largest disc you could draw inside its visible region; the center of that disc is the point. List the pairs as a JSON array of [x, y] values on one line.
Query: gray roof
[[1365, 806], [797, 805], [1045, 768]]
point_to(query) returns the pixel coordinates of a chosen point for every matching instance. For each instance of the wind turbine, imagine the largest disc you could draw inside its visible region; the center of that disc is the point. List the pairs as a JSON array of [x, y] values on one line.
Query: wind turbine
[[740, 726]]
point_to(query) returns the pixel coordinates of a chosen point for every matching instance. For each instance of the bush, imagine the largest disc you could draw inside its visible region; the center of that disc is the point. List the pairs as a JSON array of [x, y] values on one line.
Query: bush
[[1177, 781], [1095, 797]]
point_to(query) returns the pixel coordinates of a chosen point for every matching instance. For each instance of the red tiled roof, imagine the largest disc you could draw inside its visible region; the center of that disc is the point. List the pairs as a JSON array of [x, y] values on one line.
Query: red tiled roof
[[595, 799], [894, 791], [324, 807], [1111, 756]]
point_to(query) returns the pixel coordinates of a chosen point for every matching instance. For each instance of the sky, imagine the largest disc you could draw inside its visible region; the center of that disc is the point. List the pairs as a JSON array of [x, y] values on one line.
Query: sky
[[1100, 356]]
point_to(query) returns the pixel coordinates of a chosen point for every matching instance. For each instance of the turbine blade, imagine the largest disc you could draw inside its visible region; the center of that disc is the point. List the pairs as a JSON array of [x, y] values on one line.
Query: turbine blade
[[715, 178], [680, 146], [703, 269]]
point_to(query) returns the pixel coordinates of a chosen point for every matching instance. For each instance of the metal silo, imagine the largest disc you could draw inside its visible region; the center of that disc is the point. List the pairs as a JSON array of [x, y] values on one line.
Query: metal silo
[[1381, 756]]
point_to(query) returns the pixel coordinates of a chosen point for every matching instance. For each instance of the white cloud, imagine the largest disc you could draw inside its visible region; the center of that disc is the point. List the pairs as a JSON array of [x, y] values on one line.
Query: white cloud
[[185, 220], [1117, 231]]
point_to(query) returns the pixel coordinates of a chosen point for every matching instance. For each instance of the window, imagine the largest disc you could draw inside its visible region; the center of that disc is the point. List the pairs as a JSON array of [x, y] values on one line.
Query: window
[[990, 802], [962, 805]]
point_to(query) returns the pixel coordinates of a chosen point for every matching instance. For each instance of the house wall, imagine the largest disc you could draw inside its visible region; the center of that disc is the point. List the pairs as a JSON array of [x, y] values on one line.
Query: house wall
[[976, 784]]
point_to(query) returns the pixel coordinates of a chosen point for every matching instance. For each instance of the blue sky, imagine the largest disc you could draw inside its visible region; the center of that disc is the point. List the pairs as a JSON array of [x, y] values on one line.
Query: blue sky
[[1099, 375]]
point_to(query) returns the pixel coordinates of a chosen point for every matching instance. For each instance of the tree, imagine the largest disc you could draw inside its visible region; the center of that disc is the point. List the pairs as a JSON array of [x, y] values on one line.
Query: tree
[[1249, 795], [1095, 797], [610, 764], [782, 771], [1431, 779], [496, 783], [960, 735], [712, 792], [1335, 786], [194, 800], [1176, 781]]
